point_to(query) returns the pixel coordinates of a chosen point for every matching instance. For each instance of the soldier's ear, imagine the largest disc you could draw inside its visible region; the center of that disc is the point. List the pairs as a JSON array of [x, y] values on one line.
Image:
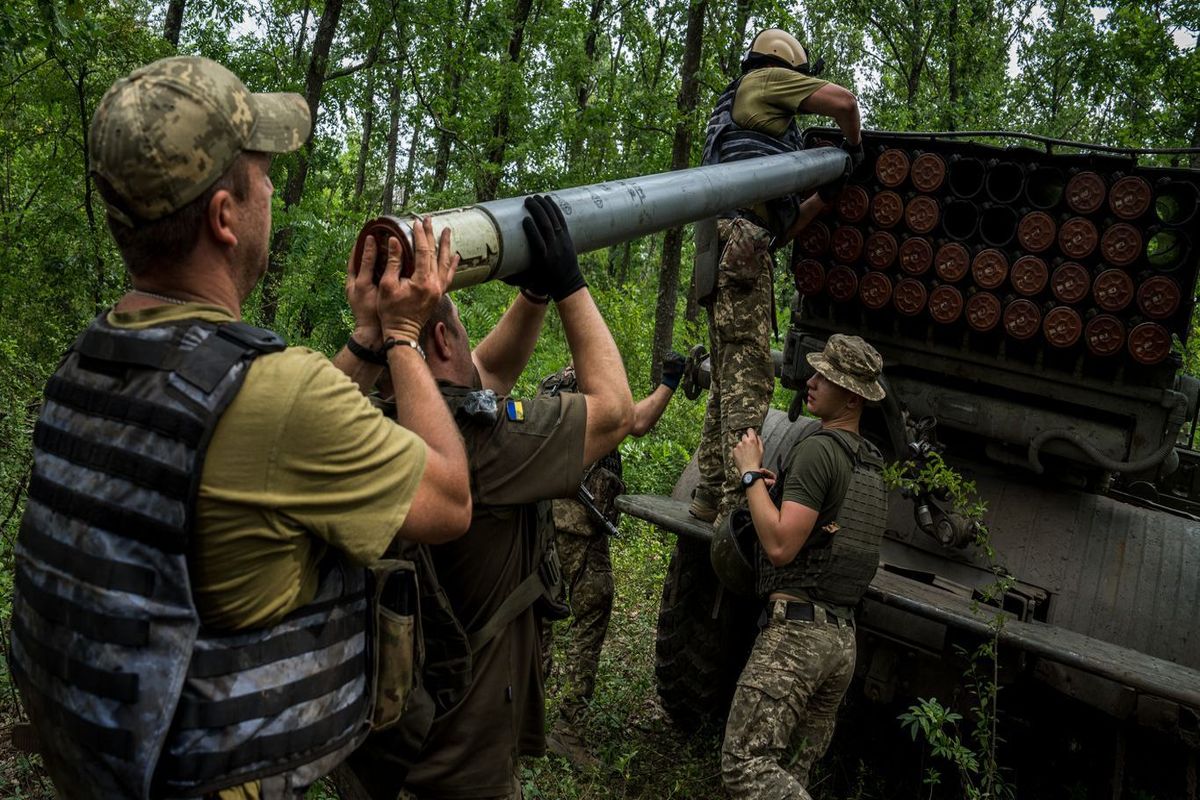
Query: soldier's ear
[[442, 341], [220, 218]]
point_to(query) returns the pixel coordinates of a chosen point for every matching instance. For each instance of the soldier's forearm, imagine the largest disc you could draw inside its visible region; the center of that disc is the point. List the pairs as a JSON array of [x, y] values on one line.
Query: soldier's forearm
[[504, 352]]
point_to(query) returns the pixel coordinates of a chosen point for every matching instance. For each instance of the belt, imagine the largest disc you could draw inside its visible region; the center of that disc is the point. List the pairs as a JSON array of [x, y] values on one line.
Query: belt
[[804, 611]]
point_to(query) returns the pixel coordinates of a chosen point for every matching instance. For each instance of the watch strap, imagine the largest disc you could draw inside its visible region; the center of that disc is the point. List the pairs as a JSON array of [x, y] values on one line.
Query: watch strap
[[365, 353]]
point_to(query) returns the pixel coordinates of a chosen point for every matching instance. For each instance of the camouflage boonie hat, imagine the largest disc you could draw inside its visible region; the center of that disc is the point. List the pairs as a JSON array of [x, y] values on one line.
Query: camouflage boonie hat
[[852, 364], [161, 136]]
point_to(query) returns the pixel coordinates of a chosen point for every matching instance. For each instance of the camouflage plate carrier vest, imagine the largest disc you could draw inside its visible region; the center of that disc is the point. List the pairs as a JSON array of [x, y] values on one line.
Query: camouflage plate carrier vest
[[604, 478], [836, 568], [130, 694], [725, 140]]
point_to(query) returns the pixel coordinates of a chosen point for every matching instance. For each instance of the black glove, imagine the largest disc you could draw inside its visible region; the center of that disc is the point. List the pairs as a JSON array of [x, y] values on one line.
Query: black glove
[[672, 369], [856, 151], [552, 256]]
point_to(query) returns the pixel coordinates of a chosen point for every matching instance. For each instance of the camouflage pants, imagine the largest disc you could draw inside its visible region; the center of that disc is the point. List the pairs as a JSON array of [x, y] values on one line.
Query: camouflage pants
[[743, 376], [587, 569], [785, 706]]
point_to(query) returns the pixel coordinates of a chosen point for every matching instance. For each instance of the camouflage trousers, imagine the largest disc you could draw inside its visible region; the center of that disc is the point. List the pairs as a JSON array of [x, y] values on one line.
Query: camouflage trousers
[[785, 706], [587, 569], [743, 376]]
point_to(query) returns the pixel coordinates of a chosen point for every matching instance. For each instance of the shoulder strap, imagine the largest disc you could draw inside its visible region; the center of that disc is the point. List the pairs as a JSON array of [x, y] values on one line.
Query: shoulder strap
[[521, 598]]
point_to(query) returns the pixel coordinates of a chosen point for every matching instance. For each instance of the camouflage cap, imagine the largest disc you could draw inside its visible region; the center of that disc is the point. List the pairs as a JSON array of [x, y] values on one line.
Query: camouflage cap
[[161, 136], [852, 364]]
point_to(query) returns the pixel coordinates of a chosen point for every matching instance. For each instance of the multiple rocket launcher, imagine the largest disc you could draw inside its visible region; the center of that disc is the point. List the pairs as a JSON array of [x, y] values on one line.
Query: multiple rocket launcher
[[1061, 255], [1065, 253]]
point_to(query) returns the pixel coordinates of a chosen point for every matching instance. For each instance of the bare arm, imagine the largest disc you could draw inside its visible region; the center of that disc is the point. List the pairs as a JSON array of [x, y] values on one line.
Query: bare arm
[[647, 411], [504, 352], [781, 531], [835, 101], [809, 209], [600, 373], [441, 508]]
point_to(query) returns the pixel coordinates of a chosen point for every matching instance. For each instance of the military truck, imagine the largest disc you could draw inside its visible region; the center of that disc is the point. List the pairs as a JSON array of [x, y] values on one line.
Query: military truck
[[1032, 300]]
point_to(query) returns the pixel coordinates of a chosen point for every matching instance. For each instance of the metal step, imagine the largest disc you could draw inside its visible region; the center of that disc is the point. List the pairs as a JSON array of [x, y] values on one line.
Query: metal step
[[1144, 673]]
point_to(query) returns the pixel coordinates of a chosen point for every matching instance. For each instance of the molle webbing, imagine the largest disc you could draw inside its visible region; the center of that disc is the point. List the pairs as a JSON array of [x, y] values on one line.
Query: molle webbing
[[131, 696], [725, 141]]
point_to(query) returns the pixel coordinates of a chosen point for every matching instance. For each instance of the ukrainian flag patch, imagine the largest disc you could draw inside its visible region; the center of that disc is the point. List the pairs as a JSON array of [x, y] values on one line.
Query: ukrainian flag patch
[[515, 410]]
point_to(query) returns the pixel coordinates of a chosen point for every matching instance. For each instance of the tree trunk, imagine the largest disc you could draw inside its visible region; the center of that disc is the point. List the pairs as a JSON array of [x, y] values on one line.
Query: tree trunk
[[302, 34], [85, 119], [489, 182], [410, 167], [314, 82], [389, 183], [583, 91], [173, 22], [733, 66], [364, 148], [681, 149], [441, 161], [951, 114]]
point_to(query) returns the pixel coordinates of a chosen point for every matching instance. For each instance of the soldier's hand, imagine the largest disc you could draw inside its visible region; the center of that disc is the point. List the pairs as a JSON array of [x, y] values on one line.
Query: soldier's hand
[[551, 252], [856, 151], [363, 296], [672, 369], [406, 303], [830, 192], [748, 452]]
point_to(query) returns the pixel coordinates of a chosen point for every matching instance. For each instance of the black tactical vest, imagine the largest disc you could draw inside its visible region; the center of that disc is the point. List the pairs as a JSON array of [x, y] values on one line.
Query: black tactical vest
[[725, 140], [836, 568], [130, 694]]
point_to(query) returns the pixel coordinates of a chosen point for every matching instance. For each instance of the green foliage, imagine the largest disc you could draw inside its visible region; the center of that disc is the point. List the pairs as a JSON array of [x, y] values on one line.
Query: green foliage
[[591, 95]]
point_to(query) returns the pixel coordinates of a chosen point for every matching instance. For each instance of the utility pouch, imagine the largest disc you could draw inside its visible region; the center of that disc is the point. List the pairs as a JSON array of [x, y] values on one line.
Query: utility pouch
[[399, 651], [708, 252], [552, 602]]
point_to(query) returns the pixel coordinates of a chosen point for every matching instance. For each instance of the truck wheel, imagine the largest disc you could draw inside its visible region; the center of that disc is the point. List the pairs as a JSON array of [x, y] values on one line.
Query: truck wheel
[[703, 639]]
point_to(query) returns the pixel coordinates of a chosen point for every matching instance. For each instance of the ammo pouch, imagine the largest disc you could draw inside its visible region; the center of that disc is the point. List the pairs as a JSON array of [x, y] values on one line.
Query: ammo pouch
[[552, 603], [399, 651]]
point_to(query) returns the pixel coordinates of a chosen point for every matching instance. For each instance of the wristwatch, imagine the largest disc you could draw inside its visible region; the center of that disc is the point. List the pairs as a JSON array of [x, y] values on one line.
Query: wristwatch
[[748, 478]]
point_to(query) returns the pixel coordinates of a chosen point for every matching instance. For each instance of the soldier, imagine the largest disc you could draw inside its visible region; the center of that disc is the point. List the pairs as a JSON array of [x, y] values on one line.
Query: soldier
[[204, 498], [755, 116], [520, 452], [582, 528], [817, 550]]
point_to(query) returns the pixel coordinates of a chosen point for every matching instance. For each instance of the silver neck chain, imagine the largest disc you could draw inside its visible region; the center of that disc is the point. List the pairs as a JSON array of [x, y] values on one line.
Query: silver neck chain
[[173, 300]]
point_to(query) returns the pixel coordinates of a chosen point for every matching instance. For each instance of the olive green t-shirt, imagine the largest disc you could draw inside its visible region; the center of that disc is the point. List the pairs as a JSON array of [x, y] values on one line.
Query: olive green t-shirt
[[532, 450], [817, 476], [299, 462], [768, 99]]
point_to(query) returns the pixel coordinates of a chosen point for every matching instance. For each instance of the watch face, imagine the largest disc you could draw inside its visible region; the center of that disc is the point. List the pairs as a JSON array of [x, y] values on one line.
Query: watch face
[[748, 478]]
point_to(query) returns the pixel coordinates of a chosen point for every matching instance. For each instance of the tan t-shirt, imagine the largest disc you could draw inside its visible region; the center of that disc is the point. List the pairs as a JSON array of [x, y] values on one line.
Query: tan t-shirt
[[768, 99], [298, 462]]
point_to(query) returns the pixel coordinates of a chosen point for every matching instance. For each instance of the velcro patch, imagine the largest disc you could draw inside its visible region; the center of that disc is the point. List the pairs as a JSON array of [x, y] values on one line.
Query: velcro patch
[[515, 410]]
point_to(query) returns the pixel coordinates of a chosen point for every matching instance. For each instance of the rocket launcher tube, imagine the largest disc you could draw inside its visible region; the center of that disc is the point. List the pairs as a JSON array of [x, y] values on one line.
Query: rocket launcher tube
[[491, 243]]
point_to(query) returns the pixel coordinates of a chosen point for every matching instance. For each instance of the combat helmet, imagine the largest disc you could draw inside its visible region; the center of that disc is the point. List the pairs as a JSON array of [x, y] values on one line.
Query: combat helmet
[[732, 552], [776, 44]]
